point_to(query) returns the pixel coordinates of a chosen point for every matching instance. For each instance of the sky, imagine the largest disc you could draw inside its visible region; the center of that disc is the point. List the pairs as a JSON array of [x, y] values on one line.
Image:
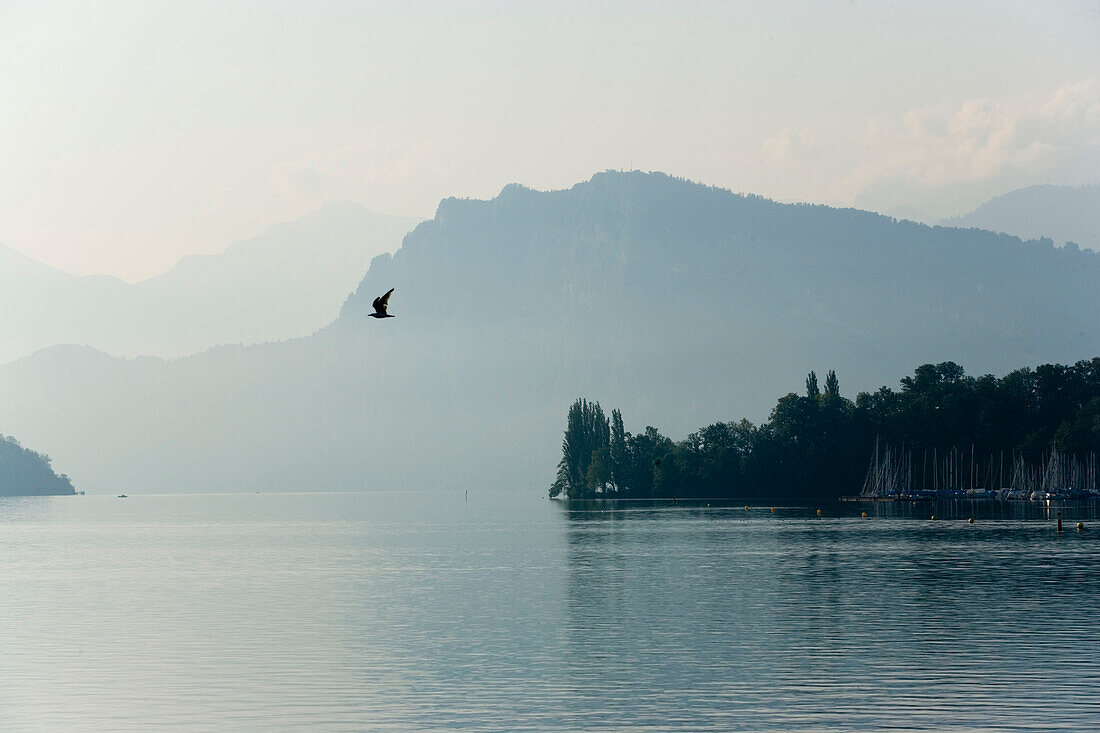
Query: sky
[[133, 132]]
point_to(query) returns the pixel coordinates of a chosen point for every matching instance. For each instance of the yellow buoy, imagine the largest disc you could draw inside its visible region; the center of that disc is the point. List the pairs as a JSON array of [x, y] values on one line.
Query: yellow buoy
[[819, 512], [746, 507], [773, 509], [1080, 526], [970, 521], [932, 517], [864, 515]]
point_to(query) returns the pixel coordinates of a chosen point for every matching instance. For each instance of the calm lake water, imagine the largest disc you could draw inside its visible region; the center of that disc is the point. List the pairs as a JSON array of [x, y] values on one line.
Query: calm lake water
[[508, 612]]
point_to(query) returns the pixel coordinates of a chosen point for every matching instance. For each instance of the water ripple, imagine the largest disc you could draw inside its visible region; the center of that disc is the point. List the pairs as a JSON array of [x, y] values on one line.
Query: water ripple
[[386, 613]]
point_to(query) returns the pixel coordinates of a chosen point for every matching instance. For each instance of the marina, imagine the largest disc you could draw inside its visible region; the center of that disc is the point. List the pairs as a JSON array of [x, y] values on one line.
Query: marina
[[899, 474]]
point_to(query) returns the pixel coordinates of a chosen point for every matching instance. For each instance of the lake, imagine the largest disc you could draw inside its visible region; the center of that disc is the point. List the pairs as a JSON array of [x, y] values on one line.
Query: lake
[[509, 612]]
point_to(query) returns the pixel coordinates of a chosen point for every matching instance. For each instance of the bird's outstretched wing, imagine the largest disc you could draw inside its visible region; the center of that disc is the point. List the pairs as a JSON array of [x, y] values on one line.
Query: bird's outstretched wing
[[382, 301]]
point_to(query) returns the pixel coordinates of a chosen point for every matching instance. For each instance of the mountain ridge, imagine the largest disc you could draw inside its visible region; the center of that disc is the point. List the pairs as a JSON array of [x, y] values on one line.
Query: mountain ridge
[[674, 300], [1061, 213], [283, 282]]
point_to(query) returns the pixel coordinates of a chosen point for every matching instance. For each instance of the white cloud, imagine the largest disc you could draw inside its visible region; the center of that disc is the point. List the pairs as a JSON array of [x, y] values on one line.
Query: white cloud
[[790, 165], [979, 139], [791, 147], [932, 161], [356, 170]]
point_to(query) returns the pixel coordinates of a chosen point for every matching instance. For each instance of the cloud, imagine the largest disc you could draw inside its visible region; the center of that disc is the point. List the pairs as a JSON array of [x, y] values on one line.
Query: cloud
[[979, 139], [790, 165], [791, 147], [356, 170]]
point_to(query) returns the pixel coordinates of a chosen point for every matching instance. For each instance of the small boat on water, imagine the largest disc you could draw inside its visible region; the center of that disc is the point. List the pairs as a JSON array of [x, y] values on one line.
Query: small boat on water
[[121, 496]]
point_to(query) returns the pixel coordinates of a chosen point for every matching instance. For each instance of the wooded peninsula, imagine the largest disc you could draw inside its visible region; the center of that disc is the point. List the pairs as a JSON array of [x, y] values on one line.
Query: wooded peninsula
[[944, 433], [24, 472]]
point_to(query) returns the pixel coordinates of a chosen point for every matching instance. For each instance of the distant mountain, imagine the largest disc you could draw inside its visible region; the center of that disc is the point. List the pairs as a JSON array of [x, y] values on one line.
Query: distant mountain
[[666, 298], [1062, 213], [285, 282]]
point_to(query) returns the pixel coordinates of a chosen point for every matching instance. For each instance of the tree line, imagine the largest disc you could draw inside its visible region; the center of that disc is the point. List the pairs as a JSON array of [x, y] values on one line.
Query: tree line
[[817, 445]]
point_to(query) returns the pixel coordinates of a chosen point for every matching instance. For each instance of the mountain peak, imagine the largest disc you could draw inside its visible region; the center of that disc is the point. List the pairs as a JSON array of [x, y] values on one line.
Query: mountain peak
[[1063, 213], [658, 294]]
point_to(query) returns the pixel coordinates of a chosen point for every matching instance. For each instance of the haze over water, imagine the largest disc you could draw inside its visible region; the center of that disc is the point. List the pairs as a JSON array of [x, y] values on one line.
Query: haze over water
[[509, 612]]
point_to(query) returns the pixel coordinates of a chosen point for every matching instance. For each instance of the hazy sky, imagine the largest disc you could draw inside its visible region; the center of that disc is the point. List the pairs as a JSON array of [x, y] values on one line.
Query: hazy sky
[[134, 132]]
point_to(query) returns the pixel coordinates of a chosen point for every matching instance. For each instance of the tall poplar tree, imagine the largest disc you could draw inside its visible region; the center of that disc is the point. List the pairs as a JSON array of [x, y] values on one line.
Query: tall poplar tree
[[587, 432], [812, 390]]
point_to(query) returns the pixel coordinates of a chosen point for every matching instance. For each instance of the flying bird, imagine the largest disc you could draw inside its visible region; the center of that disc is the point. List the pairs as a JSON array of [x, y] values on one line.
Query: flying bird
[[380, 304]]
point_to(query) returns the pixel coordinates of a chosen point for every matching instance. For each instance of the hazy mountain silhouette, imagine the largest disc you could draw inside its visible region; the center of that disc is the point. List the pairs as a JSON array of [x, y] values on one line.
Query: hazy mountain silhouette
[[1062, 213], [672, 300], [285, 282]]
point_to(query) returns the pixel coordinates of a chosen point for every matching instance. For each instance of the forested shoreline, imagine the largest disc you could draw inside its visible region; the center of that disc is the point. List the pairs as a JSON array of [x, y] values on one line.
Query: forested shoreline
[[819, 444], [24, 472]]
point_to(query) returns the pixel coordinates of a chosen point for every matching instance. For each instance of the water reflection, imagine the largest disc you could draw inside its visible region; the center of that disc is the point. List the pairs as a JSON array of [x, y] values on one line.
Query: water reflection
[[16, 509], [603, 509], [786, 619], [509, 612]]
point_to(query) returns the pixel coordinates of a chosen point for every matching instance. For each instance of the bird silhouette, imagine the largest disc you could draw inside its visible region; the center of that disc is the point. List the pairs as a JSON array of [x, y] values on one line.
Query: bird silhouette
[[380, 304]]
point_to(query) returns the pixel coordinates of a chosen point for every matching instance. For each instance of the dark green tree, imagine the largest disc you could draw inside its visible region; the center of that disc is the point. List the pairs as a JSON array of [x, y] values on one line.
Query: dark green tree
[[818, 446], [620, 459], [586, 432], [812, 390]]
